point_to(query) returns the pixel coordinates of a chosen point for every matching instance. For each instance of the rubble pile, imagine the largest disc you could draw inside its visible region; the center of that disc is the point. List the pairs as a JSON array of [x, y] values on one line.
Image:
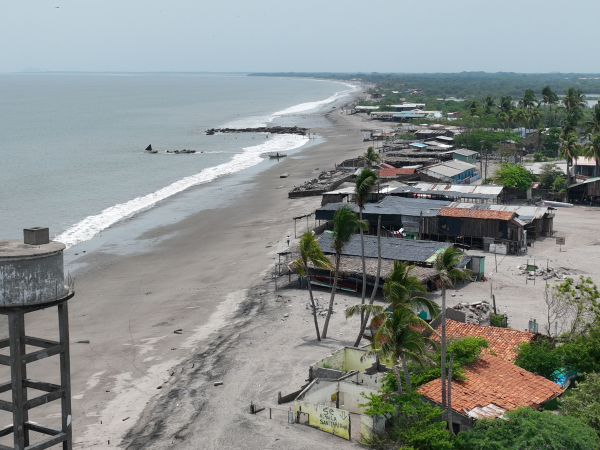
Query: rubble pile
[[542, 272], [321, 309], [327, 181], [477, 313]]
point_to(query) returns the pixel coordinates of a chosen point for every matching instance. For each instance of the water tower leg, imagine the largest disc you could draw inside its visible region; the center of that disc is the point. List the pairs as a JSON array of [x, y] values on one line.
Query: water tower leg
[[65, 374], [16, 335]]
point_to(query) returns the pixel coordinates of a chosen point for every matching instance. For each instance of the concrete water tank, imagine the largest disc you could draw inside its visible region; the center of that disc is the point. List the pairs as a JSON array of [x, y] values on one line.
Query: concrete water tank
[[31, 271], [32, 279]]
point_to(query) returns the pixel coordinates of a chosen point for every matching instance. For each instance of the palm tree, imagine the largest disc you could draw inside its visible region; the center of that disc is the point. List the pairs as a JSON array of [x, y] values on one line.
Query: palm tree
[[573, 99], [446, 266], [535, 115], [549, 98], [399, 337], [506, 104], [362, 192], [371, 156], [473, 112], [404, 291], [569, 148], [522, 118], [489, 104], [592, 126], [529, 99], [345, 224], [310, 252], [592, 150]]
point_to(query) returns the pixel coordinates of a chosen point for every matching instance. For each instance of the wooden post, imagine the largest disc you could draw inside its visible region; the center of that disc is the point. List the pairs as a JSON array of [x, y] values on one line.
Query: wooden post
[[15, 334], [65, 374], [295, 229]]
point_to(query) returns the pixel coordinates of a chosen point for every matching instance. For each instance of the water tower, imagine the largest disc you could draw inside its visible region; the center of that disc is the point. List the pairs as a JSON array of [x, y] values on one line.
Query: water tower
[[31, 279]]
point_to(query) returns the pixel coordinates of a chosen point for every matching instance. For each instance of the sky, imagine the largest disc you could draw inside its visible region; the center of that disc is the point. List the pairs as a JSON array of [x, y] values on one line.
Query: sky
[[300, 36]]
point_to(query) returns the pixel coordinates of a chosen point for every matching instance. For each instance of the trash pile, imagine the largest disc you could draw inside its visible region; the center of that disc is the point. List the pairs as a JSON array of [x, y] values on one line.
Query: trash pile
[[542, 272], [476, 313]]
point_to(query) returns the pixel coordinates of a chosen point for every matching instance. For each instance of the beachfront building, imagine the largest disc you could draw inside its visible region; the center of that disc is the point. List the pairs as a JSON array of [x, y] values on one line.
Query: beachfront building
[[454, 172], [453, 192], [464, 155], [587, 192], [538, 220], [495, 231], [492, 386]]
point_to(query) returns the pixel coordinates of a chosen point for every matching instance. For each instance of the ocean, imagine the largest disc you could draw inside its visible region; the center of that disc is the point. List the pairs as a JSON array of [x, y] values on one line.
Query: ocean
[[72, 145]]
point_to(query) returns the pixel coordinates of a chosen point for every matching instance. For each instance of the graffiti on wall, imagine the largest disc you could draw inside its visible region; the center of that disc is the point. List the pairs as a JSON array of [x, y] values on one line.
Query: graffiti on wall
[[331, 420]]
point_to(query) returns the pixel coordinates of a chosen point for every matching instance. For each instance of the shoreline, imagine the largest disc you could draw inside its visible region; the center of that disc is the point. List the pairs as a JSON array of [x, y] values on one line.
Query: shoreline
[[193, 264]]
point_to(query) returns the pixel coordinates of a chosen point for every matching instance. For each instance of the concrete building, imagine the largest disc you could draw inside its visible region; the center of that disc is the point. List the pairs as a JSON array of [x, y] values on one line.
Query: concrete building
[[464, 155]]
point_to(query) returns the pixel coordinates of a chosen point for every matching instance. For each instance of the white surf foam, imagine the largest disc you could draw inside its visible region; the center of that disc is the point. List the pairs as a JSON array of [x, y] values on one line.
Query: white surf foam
[[92, 225], [305, 107]]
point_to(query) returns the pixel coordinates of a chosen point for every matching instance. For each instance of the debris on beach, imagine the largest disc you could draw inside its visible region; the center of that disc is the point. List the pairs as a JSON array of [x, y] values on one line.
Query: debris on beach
[[321, 310], [476, 313], [218, 383], [545, 273]]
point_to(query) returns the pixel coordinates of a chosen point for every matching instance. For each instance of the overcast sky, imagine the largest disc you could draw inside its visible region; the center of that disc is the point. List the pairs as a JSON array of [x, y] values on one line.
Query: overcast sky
[[301, 36]]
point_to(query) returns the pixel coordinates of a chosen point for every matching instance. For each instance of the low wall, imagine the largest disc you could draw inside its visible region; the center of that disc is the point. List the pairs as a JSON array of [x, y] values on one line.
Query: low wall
[[331, 420], [371, 426]]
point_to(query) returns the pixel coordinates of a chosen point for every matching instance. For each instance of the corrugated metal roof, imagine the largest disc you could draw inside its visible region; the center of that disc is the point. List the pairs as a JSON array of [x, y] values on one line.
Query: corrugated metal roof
[[410, 115], [464, 152], [490, 411], [452, 190], [473, 213], [431, 132], [449, 168], [391, 248], [446, 138], [524, 212]]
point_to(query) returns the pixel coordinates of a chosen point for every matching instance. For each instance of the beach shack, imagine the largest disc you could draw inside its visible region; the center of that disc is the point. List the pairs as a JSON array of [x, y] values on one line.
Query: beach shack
[[587, 192], [464, 155], [495, 231]]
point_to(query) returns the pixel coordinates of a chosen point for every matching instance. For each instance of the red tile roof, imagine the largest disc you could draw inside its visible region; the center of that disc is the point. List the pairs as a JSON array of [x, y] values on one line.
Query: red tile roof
[[493, 381], [474, 213], [387, 172], [502, 341]]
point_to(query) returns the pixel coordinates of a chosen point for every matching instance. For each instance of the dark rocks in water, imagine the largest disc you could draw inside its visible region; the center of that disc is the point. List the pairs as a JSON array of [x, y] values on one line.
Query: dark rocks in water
[[270, 130], [149, 148]]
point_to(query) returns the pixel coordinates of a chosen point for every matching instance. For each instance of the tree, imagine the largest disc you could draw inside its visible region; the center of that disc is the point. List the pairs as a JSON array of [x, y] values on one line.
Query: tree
[[529, 99], [550, 172], [591, 148], [398, 336], [515, 176], [570, 149], [310, 252], [584, 402], [526, 428], [573, 100], [363, 190], [414, 423], [371, 156], [549, 98], [345, 224], [506, 104], [592, 125], [446, 266], [364, 323], [489, 104], [539, 357]]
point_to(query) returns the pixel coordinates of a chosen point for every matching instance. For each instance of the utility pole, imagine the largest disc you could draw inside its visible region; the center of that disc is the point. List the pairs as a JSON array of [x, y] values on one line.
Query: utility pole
[[481, 159]]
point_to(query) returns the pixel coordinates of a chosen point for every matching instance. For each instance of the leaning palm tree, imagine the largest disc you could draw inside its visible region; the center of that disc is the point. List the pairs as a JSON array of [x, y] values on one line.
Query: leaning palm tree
[[591, 149], [345, 224], [371, 156], [310, 253], [403, 289], [446, 266], [398, 338], [362, 192]]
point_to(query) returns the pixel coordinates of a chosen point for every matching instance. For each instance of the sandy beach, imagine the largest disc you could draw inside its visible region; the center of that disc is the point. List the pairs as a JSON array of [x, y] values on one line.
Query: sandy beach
[[137, 383]]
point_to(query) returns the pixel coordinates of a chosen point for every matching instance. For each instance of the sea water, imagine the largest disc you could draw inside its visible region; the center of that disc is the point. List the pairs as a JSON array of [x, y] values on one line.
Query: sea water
[[72, 145]]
